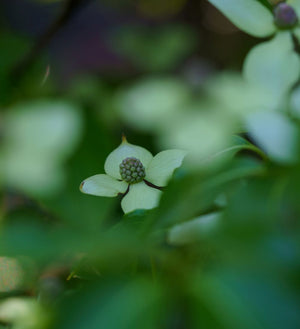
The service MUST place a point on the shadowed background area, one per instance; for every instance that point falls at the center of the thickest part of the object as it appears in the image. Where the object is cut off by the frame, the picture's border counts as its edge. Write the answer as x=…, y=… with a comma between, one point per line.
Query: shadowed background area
x=221, y=250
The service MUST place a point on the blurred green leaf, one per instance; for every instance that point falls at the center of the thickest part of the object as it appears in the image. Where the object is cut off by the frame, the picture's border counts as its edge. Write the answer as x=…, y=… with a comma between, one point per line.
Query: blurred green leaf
x=195, y=195
x=11, y=47
x=222, y=306
x=241, y=301
x=155, y=49
x=114, y=304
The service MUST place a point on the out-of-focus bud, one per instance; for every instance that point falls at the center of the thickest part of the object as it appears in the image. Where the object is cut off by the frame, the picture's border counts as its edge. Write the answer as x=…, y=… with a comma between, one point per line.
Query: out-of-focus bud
x=285, y=16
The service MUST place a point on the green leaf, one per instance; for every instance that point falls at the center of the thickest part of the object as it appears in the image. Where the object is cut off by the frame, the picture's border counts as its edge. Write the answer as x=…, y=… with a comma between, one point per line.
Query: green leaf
x=276, y=134
x=140, y=45
x=186, y=198
x=12, y=48
x=140, y=196
x=225, y=307
x=162, y=166
x=103, y=185
x=248, y=15
x=114, y=304
x=238, y=144
x=273, y=65
x=123, y=151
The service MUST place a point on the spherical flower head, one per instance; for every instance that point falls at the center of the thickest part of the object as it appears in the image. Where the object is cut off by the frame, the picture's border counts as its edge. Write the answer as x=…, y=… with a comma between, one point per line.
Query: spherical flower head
x=132, y=170
x=285, y=16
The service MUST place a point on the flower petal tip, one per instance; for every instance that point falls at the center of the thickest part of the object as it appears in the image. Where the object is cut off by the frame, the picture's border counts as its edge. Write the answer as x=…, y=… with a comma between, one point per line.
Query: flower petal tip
x=81, y=186
x=124, y=139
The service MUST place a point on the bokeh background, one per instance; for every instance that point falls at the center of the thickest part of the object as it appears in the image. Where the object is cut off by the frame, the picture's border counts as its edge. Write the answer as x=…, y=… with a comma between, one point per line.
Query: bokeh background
x=74, y=76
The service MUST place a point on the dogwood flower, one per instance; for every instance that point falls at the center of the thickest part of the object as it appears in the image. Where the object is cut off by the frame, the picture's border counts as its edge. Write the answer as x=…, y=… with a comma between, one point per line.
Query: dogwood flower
x=272, y=65
x=131, y=170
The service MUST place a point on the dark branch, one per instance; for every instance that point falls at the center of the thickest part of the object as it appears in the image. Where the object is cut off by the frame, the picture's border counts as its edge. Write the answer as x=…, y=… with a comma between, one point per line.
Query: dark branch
x=70, y=8
x=153, y=185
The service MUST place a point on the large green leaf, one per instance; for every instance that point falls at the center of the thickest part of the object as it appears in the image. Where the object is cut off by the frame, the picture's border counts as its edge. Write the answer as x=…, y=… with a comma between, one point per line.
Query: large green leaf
x=237, y=299
x=194, y=195
x=248, y=15
x=114, y=305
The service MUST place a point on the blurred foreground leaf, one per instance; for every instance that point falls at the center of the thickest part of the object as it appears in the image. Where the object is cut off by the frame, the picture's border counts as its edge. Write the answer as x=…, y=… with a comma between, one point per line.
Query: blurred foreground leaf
x=115, y=304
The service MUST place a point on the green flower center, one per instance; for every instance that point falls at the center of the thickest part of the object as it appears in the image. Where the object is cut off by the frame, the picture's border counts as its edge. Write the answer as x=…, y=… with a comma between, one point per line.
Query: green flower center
x=132, y=170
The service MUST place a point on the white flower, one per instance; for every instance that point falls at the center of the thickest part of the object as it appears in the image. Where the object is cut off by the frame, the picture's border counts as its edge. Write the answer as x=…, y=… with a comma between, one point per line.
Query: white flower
x=133, y=171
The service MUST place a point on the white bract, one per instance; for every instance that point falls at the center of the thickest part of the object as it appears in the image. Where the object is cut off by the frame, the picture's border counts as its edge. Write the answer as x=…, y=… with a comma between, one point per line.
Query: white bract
x=38, y=137
x=23, y=313
x=276, y=134
x=273, y=65
x=141, y=192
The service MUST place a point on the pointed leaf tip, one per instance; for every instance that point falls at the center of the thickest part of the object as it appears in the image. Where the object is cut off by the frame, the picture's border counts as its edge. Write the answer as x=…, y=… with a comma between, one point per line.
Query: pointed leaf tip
x=81, y=186
x=124, y=139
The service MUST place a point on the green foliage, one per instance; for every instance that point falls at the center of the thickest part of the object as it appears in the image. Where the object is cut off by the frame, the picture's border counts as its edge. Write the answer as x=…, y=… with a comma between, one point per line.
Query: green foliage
x=220, y=249
x=140, y=46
